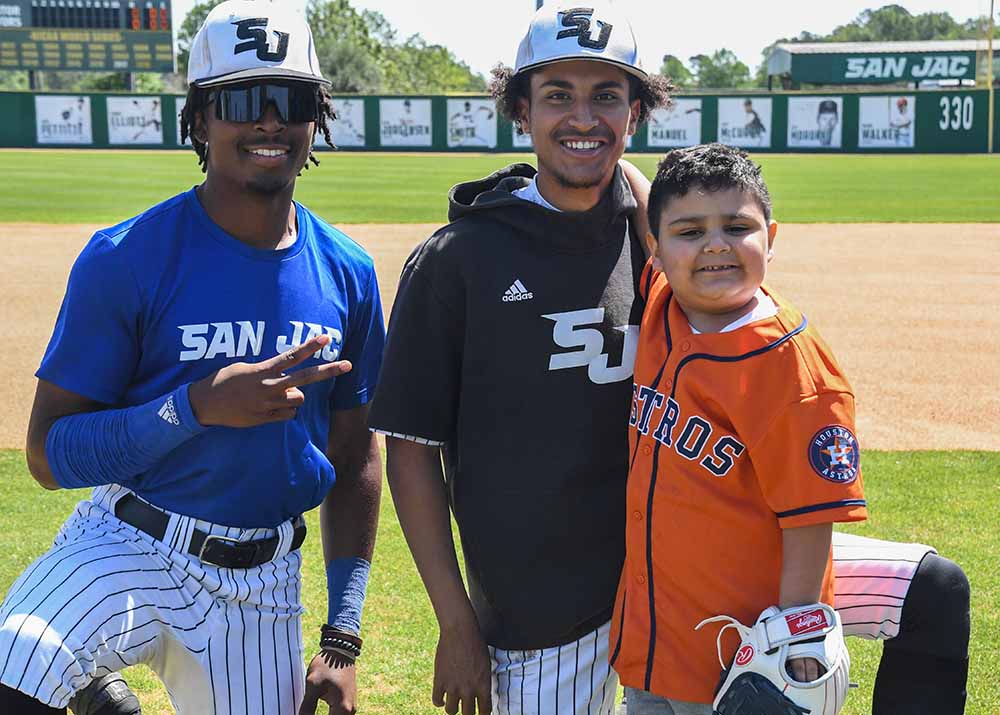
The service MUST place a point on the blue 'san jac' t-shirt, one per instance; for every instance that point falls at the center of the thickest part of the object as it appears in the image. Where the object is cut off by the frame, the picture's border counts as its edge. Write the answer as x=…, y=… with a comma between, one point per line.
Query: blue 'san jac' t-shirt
x=168, y=297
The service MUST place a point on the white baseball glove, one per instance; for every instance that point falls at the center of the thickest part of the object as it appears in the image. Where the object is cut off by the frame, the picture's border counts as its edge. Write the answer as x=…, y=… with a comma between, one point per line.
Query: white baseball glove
x=758, y=681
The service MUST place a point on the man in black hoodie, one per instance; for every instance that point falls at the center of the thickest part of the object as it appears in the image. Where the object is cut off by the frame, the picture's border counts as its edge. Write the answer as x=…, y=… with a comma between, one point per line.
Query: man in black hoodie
x=525, y=317
x=510, y=352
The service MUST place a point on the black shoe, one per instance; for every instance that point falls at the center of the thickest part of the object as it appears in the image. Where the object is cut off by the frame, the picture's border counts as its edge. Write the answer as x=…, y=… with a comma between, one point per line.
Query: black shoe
x=108, y=695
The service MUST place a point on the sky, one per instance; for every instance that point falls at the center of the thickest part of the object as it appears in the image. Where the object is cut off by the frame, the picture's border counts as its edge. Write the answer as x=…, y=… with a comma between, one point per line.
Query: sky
x=483, y=32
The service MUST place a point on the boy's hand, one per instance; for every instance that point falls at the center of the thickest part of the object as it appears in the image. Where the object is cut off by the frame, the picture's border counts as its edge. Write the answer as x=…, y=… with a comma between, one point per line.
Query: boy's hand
x=779, y=660
x=804, y=670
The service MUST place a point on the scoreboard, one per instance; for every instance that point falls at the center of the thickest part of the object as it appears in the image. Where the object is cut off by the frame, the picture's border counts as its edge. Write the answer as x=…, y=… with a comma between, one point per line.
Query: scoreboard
x=97, y=35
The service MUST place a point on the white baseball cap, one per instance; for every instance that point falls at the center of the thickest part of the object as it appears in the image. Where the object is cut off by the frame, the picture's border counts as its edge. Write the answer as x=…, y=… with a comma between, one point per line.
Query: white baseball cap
x=564, y=30
x=249, y=39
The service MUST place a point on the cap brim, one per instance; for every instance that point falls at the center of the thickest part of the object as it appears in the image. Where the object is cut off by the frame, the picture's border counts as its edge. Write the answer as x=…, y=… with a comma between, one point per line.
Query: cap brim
x=261, y=73
x=634, y=71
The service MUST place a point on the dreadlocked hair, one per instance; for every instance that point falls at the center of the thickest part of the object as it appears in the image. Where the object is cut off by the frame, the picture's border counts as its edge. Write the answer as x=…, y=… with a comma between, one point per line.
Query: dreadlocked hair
x=197, y=102
x=506, y=88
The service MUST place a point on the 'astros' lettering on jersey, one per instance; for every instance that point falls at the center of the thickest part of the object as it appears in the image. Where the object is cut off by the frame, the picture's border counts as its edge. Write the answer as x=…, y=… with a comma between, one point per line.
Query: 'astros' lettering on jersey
x=733, y=437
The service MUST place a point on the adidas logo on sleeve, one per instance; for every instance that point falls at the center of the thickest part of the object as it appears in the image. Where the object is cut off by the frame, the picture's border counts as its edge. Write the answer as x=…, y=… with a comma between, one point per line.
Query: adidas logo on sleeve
x=517, y=292
x=169, y=413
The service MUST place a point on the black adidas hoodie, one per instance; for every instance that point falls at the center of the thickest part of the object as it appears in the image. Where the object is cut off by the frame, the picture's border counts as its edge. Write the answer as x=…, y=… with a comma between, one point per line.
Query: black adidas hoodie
x=511, y=344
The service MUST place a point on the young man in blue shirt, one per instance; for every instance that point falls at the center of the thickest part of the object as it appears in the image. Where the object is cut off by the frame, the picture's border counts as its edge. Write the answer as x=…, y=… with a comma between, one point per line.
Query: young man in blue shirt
x=209, y=375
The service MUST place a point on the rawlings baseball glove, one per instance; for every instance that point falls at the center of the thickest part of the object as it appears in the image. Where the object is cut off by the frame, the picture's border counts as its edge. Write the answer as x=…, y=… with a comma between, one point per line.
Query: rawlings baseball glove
x=758, y=681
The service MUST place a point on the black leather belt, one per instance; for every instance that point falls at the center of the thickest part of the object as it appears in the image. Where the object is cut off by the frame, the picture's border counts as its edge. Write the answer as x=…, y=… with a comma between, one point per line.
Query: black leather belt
x=211, y=548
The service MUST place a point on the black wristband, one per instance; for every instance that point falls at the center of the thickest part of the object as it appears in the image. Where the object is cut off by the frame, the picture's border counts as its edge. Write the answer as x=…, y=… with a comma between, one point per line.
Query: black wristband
x=341, y=642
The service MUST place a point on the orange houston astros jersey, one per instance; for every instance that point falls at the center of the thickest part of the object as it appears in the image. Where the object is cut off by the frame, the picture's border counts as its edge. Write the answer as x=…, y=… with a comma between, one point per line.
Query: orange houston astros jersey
x=733, y=437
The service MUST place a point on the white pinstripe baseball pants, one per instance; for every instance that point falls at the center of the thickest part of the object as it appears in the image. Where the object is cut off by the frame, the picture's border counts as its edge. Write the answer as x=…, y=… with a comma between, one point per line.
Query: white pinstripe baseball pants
x=106, y=596
x=571, y=679
x=872, y=578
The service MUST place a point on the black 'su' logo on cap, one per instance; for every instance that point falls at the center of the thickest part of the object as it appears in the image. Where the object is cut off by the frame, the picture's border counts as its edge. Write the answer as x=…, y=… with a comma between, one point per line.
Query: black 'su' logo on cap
x=254, y=30
x=578, y=21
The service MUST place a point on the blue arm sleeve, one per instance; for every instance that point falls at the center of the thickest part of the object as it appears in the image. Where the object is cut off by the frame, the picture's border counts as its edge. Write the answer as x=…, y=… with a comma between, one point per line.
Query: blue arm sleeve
x=346, y=583
x=363, y=348
x=115, y=446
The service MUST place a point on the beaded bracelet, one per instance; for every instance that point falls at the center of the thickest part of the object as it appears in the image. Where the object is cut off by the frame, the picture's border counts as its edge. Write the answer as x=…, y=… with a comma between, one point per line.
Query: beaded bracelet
x=340, y=642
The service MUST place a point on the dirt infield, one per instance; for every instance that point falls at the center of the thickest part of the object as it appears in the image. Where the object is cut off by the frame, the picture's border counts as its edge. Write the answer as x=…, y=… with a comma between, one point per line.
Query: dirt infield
x=911, y=310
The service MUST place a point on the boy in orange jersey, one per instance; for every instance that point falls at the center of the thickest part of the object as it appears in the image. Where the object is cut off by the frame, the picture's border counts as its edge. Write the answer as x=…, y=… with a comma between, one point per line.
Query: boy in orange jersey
x=741, y=435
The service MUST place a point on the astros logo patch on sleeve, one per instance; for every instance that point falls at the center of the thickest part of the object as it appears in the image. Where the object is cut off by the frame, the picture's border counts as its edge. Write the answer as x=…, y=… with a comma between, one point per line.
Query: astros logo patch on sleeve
x=834, y=454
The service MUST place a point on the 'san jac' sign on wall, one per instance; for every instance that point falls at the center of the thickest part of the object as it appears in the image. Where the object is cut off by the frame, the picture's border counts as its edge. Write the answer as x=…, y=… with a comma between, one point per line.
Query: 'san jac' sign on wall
x=910, y=68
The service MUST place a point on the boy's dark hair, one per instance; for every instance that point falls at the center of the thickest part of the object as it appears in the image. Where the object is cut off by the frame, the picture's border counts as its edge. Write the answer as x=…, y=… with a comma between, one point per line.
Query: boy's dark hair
x=712, y=167
x=197, y=102
x=506, y=88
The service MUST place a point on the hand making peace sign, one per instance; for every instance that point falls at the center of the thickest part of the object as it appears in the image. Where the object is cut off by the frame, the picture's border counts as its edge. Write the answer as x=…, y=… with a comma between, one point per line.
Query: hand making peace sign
x=250, y=394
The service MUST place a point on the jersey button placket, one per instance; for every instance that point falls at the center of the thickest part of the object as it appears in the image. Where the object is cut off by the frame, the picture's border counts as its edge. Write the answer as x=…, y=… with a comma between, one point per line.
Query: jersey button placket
x=647, y=450
x=637, y=515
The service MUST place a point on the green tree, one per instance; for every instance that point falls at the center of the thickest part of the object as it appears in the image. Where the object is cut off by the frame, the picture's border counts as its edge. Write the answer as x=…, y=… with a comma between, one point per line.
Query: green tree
x=416, y=67
x=894, y=23
x=349, y=44
x=888, y=23
x=720, y=70
x=676, y=71
x=144, y=83
x=349, y=68
x=360, y=52
x=760, y=76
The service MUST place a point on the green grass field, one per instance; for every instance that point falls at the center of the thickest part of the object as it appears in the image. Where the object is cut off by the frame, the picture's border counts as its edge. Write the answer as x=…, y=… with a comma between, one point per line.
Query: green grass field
x=107, y=187
x=949, y=499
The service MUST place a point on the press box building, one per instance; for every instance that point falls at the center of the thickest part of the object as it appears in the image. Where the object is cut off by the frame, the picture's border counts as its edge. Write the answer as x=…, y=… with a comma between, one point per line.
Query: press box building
x=932, y=63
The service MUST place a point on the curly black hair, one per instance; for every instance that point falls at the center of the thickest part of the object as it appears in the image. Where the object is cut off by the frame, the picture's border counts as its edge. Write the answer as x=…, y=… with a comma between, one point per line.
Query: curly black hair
x=197, y=101
x=507, y=88
x=712, y=167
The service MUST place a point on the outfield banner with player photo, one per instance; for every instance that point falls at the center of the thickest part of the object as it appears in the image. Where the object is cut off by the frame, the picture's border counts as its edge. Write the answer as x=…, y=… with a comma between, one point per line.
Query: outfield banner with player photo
x=520, y=141
x=179, y=102
x=678, y=126
x=349, y=128
x=472, y=123
x=63, y=119
x=745, y=122
x=887, y=122
x=952, y=120
x=135, y=120
x=405, y=122
x=815, y=122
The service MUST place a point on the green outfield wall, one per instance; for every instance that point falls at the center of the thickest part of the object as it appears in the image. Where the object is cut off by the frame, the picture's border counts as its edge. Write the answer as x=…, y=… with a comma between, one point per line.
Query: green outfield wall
x=891, y=121
x=996, y=125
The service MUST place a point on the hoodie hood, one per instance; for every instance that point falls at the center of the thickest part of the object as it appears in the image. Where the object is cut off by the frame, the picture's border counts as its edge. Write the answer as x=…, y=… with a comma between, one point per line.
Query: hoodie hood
x=491, y=199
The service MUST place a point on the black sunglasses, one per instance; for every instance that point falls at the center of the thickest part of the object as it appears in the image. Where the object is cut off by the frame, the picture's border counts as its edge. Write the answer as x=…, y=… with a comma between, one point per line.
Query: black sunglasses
x=296, y=103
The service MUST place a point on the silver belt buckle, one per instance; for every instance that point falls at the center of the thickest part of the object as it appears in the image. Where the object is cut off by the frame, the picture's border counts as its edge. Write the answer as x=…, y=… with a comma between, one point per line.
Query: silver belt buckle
x=214, y=537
